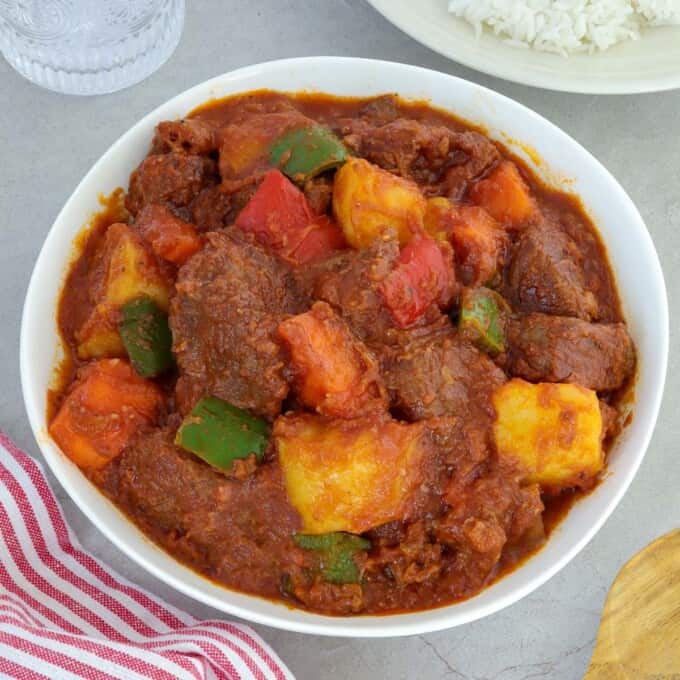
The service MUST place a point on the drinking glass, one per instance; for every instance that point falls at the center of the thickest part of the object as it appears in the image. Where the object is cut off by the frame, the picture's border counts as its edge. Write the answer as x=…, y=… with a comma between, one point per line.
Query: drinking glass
x=89, y=46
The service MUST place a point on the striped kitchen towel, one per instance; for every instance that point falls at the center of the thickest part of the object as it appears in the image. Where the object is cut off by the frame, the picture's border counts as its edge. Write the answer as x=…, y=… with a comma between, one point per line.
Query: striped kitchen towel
x=64, y=614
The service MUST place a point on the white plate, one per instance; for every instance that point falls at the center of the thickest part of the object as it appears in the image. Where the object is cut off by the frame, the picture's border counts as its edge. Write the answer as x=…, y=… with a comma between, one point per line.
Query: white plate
x=647, y=65
x=631, y=251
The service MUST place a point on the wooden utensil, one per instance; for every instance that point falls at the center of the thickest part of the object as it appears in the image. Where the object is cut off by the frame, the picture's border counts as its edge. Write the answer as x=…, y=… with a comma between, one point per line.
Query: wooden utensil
x=639, y=636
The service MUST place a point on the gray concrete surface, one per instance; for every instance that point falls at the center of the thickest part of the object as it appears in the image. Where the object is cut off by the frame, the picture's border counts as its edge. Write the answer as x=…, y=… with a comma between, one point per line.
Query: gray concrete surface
x=48, y=142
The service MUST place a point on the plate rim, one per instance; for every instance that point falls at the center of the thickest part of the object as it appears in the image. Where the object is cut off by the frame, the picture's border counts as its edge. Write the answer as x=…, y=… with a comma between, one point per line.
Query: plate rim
x=548, y=81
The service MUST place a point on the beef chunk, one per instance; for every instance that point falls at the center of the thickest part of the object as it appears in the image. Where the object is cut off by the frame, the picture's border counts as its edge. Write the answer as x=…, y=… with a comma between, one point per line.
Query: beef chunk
x=319, y=193
x=230, y=300
x=380, y=110
x=190, y=136
x=239, y=532
x=442, y=160
x=545, y=274
x=545, y=348
x=438, y=373
x=486, y=512
x=349, y=282
x=214, y=208
x=172, y=178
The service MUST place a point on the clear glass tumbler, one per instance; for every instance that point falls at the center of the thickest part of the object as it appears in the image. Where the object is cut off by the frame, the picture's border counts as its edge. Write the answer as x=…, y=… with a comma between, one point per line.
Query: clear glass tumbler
x=89, y=46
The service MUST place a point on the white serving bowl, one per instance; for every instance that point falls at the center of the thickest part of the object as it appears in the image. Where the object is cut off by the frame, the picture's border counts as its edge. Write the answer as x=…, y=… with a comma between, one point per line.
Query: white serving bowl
x=561, y=160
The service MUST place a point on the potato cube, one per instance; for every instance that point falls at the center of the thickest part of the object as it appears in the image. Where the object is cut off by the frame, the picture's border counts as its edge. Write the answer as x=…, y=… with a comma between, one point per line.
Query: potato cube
x=440, y=217
x=553, y=432
x=368, y=199
x=122, y=270
x=351, y=475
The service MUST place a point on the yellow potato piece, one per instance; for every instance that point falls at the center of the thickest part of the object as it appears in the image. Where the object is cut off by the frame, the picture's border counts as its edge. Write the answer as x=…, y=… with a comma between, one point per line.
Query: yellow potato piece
x=368, y=199
x=133, y=272
x=439, y=218
x=351, y=475
x=552, y=431
x=124, y=270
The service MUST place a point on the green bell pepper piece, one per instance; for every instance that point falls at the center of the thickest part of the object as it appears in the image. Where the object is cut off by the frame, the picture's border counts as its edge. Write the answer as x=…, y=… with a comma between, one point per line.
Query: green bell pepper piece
x=307, y=152
x=146, y=336
x=482, y=314
x=336, y=554
x=219, y=433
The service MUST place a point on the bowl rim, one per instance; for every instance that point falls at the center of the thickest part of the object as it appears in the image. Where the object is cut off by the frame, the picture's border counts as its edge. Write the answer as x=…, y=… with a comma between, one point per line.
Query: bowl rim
x=410, y=623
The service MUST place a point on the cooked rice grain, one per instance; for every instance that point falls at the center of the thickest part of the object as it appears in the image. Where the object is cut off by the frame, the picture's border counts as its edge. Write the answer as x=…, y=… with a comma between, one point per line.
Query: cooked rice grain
x=565, y=26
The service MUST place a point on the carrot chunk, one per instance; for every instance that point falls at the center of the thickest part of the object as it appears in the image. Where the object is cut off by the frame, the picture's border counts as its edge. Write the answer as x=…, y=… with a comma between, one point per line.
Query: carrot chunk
x=479, y=242
x=505, y=196
x=108, y=404
x=169, y=237
x=335, y=372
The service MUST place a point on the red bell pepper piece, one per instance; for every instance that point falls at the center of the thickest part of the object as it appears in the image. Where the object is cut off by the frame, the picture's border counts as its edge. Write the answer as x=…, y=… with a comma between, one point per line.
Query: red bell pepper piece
x=322, y=237
x=280, y=217
x=423, y=276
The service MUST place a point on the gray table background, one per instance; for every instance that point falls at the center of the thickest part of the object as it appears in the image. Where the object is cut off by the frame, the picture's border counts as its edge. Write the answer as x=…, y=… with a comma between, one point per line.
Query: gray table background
x=48, y=142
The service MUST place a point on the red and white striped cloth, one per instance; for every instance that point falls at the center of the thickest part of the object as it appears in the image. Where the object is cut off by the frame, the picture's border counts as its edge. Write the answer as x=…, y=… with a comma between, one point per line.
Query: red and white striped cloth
x=65, y=615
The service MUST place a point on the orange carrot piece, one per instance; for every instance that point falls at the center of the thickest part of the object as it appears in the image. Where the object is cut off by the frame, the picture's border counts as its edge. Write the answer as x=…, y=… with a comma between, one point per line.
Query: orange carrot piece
x=170, y=237
x=107, y=406
x=505, y=196
x=335, y=373
x=479, y=243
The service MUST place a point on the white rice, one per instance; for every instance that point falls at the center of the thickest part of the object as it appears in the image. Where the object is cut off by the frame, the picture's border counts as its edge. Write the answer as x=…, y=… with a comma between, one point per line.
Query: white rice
x=565, y=26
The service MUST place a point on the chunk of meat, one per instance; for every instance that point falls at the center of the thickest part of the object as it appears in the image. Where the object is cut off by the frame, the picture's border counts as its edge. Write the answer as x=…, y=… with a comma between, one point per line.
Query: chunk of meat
x=350, y=282
x=422, y=277
x=244, y=146
x=436, y=157
x=335, y=373
x=237, y=532
x=189, y=135
x=486, y=511
x=381, y=110
x=173, y=178
x=545, y=274
x=476, y=153
x=437, y=374
x=231, y=298
x=319, y=193
x=407, y=552
x=214, y=208
x=170, y=237
x=545, y=348
x=107, y=406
